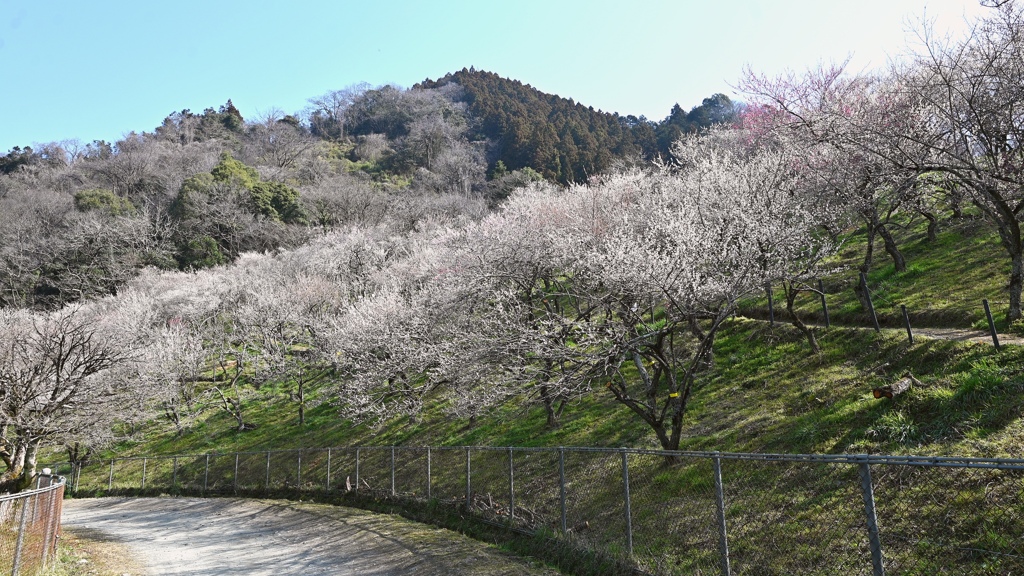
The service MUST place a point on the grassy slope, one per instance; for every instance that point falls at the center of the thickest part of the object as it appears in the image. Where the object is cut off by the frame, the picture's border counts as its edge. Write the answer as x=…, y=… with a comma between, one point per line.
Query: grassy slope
x=944, y=284
x=766, y=393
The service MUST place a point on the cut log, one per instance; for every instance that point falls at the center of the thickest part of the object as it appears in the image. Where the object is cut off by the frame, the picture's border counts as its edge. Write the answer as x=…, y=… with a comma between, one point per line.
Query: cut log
x=896, y=388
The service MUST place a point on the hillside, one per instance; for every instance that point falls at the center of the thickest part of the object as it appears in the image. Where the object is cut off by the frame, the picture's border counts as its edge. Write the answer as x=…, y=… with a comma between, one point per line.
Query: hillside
x=766, y=393
x=375, y=289
x=376, y=261
x=475, y=262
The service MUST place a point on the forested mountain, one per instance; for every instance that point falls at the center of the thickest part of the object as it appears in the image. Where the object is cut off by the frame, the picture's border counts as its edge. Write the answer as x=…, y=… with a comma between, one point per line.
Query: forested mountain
x=563, y=139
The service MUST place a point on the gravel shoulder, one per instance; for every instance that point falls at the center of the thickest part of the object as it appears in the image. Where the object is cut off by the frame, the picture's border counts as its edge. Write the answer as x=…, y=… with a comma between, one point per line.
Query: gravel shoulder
x=178, y=536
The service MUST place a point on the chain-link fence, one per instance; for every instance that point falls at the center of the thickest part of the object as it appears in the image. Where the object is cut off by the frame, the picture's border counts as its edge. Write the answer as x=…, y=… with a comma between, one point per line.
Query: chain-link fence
x=665, y=512
x=29, y=526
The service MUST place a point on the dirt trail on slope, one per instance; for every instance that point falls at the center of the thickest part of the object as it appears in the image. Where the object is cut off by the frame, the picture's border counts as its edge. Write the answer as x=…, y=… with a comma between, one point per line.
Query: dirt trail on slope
x=958, y=334
x=965, y=335
x=195, y=536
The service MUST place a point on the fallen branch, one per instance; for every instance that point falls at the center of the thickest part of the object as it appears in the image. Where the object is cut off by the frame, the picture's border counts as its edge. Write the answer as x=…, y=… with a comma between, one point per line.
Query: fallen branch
x=897, y=388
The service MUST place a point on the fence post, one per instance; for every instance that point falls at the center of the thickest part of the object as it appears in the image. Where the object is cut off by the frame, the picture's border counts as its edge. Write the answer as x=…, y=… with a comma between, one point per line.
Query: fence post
x=625, y=494
x=206, y=474
x=824, y=305
x=469, y=483
x=328, y=486
x=298, y=470
x=110, y=477
x=53, y=531
x=906, y=322
x=144, y=473
x=21, y=537
x=392, y=469
x=867, y=296
x=872, y=521
x=357, y=469
x=561, y=485
x=50, y=505
x=429, y=494
x=511, y=490
x=723, y=537
x=267, y=488
x=174, y=475
x=991, y=324
x=234, y=479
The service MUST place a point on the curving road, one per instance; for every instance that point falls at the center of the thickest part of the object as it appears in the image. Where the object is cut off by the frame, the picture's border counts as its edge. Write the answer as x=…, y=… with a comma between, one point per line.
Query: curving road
x=179, y=536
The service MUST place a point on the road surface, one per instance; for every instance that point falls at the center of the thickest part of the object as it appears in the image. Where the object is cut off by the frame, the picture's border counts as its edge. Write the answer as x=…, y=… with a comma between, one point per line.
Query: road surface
x=195, y=536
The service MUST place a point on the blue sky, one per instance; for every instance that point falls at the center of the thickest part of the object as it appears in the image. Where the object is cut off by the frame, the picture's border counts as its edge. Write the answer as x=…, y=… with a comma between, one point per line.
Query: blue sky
x=98, y=69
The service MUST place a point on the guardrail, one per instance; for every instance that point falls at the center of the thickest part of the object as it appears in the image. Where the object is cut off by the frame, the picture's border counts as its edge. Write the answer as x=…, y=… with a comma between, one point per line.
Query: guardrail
x=30, y=526
x=665, y=512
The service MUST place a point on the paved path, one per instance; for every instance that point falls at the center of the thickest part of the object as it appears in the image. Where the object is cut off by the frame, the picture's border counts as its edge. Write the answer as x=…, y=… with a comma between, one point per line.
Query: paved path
x=194, y=536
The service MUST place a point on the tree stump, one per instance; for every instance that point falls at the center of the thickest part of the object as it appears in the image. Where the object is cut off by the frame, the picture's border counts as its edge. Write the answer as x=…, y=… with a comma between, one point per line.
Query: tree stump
x=896, y=388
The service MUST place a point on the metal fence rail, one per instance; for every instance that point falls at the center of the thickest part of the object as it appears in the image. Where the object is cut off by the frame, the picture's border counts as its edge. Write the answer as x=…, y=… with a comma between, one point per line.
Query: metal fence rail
x=666, y=512
x=29, y=526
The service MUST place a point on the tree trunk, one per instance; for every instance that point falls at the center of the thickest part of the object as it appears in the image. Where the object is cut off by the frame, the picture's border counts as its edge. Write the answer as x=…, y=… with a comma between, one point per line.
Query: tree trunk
x=21, y=467
x=31, y=455
x=77, y=454
x=933, y=225
x=1016, y=284
x=1005, y=218
x=549, y=407
x=791, y=292
x=955, y=198
x=890, y=246
x=233, y=406
x=11, y=479
x=865, y=267
x=172, y=414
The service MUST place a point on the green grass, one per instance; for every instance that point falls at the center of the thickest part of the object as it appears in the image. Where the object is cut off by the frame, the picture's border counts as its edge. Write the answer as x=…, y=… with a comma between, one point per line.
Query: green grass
x=943, y=286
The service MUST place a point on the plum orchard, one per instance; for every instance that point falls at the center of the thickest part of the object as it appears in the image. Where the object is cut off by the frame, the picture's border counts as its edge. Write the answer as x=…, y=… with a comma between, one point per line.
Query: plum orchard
x=561, y=288
x=941, y=128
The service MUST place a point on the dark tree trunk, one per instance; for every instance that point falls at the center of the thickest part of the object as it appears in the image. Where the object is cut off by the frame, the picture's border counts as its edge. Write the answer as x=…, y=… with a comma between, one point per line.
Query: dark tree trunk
x=552, y=407
x=933, y=225
x=21, y=467
x=78, y=454
x=894, y=251
x=869, y=254
x=1016, y=284
x=172, y=414
x=791, y=292
x=1005, y=218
